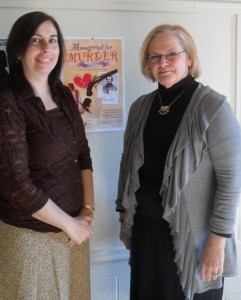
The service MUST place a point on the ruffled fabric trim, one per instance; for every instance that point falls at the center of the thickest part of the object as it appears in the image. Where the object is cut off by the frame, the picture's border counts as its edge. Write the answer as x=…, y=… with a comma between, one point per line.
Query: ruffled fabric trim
x=183, y=159
x=133, y=161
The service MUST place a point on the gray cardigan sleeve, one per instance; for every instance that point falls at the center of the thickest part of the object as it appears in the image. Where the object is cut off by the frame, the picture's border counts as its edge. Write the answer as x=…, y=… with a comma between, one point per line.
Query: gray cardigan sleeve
x=224, y=145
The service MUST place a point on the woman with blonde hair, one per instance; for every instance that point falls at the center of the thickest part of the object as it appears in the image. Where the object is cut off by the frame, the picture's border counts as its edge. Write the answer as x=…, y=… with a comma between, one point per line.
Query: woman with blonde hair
x=180, y=177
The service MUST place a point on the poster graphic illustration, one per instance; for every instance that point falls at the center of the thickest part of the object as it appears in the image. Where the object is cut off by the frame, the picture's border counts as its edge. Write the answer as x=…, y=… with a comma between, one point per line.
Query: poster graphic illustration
x=3, y=59
x=93, y=72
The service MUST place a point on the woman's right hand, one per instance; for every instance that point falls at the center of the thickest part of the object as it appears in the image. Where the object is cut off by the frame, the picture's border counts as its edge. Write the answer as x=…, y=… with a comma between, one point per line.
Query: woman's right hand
x=79, y=230
x=123, y=238
x=121, y=220
x=122, y=235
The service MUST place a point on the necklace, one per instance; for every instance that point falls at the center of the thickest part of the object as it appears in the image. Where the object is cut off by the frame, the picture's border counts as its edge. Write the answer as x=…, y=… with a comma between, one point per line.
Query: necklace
x=164, y=109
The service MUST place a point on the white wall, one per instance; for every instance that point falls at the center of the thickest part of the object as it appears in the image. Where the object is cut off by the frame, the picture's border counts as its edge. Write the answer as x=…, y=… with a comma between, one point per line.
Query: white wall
x=216, y=29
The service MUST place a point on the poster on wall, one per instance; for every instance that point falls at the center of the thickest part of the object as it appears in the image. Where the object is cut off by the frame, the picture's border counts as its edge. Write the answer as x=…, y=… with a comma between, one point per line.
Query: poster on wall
x=93, y=72
x=3, y=59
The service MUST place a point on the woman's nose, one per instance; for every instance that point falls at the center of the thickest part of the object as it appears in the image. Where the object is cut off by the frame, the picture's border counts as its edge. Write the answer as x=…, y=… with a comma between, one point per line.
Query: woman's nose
x=163, y=60
x=45, y=46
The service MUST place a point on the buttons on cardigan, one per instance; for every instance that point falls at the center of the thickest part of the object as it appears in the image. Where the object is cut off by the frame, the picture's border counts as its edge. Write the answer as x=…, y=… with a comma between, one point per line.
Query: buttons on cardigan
x=74, y=142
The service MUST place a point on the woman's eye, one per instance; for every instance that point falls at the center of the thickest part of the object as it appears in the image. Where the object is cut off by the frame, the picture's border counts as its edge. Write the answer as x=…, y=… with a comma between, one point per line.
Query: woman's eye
x=53, y=41
x=155, y=58
x=172, y=55
x=35, y=41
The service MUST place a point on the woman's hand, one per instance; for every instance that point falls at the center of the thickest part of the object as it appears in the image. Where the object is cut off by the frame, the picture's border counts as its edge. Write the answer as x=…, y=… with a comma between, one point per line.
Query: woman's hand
x=88, y=214
x=121, y=220
x=213, y=258
x=80, y=230
x=122, y=234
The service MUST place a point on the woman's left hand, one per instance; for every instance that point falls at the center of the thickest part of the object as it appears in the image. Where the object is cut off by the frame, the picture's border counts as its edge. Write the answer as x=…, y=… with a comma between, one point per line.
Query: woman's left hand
x=213, y=258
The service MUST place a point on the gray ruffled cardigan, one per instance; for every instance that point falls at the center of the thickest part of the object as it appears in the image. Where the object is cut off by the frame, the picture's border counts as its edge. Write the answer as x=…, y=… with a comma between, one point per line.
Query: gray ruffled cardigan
x=201, y=181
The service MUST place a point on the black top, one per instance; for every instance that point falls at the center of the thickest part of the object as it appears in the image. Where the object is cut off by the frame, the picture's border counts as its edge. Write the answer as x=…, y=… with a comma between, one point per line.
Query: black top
x=158, y=136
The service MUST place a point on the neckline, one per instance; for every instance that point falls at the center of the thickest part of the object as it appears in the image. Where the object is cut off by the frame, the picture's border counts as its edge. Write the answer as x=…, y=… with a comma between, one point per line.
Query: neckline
x=53, y=109
x=167, y=95
x=183, y=83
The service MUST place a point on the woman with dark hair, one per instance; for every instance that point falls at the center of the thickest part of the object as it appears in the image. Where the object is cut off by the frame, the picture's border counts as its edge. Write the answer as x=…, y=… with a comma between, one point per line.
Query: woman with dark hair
x=46, y=185
x=18, y=42
x=180, y=177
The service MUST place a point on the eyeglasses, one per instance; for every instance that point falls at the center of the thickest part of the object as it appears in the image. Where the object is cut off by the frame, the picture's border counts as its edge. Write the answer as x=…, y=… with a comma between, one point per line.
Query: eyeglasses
x=171, y=56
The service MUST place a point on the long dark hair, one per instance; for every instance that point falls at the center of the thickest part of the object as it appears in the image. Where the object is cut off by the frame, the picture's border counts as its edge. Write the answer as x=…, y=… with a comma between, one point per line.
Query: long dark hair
x=21, y=32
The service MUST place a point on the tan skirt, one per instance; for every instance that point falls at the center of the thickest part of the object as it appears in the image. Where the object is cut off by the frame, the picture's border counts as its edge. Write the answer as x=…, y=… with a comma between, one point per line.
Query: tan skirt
x=41, y=266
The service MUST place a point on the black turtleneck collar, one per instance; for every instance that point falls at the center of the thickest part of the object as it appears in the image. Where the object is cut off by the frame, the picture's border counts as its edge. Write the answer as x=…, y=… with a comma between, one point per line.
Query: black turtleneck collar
x=168, y=94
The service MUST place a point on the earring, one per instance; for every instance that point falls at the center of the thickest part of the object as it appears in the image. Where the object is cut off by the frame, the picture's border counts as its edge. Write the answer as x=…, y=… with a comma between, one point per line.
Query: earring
x=18, y=60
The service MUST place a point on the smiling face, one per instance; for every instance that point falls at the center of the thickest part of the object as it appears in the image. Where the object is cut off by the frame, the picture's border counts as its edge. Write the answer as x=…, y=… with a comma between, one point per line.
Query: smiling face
x=168, y=71
x=42, y=53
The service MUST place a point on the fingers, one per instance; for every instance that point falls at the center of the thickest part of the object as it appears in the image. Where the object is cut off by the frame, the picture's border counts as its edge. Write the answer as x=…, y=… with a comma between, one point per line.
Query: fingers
x=215, y=276
x=211, y=274
x=211, y=268
x=89, y=219
x=80, y=232
x=213, y=258
x=88, y=214
x=72, y=243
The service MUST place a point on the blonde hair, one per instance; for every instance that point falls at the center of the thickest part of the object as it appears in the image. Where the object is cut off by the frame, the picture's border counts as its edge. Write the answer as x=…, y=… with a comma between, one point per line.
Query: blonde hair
x=185, y=40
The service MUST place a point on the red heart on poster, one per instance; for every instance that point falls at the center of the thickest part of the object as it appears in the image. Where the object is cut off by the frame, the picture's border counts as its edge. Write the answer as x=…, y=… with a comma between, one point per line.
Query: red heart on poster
x=82, y=82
